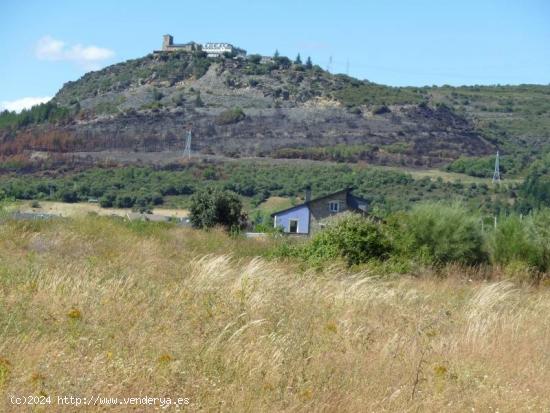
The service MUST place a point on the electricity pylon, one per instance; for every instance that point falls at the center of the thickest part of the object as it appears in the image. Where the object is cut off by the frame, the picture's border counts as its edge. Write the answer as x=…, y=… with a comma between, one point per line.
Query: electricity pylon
x=187, y=150
x=496, y=174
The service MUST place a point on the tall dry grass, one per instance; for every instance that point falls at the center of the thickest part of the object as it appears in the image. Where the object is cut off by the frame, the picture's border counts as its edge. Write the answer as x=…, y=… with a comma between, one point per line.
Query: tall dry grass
x=95, y=306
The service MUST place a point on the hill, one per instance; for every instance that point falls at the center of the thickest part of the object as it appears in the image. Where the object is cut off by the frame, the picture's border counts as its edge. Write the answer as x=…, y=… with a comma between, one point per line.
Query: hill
x=277, y=108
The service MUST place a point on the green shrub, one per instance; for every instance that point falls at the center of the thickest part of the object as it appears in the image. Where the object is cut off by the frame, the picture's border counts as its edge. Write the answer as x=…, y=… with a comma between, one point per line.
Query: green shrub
x=178, y=99
x=68, y=195
x=526, y=241
x=510, y=242
x=157, y=94
x=536, y=187
x=350, y=236
x=230, y=116
x=437, y=234
x=107, y=200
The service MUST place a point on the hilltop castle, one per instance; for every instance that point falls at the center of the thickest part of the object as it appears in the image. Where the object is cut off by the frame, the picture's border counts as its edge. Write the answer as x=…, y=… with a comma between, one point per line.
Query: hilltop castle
x=211, y=49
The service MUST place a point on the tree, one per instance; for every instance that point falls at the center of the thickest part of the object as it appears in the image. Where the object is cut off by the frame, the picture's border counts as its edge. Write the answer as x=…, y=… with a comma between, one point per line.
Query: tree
x=213, y=206
x=298, y=60
x=535, y=189
x=309, y=64
x=276, y=54
x=68, y=195
x=255, y=58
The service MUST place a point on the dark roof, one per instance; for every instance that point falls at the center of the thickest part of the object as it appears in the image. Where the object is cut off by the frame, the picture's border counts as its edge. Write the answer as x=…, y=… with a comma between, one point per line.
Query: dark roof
x=353, y=201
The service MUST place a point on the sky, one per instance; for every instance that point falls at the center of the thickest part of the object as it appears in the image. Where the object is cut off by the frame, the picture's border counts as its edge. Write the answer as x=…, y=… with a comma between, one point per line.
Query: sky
x=44, y=44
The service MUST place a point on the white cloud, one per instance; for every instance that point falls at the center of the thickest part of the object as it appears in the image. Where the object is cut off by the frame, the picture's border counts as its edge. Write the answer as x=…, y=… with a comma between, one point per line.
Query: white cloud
x=48, y=48
x=24, y=103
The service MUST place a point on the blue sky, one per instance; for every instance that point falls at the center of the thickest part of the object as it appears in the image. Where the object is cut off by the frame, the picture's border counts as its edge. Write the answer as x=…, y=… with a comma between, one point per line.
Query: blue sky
x=46, y=43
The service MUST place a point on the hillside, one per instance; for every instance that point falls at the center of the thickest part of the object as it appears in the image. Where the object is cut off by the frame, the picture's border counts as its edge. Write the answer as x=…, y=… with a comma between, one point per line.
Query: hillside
x=243, y=107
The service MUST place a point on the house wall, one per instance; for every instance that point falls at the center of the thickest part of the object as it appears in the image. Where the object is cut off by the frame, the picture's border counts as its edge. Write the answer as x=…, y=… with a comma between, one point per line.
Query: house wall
x=217, y=49
x=320, y=209
x=300, y=213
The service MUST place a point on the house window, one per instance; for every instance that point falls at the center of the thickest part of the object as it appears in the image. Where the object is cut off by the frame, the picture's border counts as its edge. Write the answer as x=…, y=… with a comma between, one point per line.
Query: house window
x=293, y=226
x=334, y=206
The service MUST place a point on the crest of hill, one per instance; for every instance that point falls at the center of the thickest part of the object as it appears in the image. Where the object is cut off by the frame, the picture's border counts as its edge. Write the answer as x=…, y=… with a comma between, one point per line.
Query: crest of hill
x=284, y=83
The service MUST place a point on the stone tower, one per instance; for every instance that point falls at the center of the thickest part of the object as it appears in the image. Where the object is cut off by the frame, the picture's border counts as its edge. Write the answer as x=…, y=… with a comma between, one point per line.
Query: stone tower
x=167, y=41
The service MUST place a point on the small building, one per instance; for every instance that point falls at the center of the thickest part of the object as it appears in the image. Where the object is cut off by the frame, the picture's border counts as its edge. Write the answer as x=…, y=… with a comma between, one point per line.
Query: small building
x=220, y=49
x=211, y=49
x=168, y=45
x=309, y=217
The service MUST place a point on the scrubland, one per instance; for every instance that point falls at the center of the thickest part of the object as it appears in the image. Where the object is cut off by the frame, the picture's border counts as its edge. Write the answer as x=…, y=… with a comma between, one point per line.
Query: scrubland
x=97, y=306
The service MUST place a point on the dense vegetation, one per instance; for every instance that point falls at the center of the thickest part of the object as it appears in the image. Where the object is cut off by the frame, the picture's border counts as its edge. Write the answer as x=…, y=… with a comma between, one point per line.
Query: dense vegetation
x=44, y=112
x=137, y=186
x=483, y=167
x=535, y=190
x=434, y=235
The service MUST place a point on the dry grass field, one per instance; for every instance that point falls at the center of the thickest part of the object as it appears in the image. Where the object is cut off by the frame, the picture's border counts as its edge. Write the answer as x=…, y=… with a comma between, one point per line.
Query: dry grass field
x=84, y=208
x=95, y=306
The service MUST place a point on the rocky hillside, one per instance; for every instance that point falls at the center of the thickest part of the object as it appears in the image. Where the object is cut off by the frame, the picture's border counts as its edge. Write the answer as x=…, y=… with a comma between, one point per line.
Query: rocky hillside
x=245, y=107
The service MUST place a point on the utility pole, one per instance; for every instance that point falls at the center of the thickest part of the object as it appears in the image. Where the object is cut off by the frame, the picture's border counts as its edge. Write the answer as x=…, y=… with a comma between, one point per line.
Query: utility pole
x=496, y=174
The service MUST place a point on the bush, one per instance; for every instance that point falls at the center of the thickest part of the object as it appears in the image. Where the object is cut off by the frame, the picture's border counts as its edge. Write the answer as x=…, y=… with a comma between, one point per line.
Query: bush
x=230, y=116
x=255, y=58
x=124, y=201
x=107, y=200
x=381, y=110
x=157, y=94
x=69, y=196
x=438, y=234
x=212, y=207
x=536, y=187
x=178, y=99
x=350, y=236
x=510, y=242
x=524, y=241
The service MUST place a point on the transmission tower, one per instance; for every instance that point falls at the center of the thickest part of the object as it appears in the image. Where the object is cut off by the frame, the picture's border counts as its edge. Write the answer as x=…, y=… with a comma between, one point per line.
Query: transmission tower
x=187, y=150
x=329, y=65
x=496, y=174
